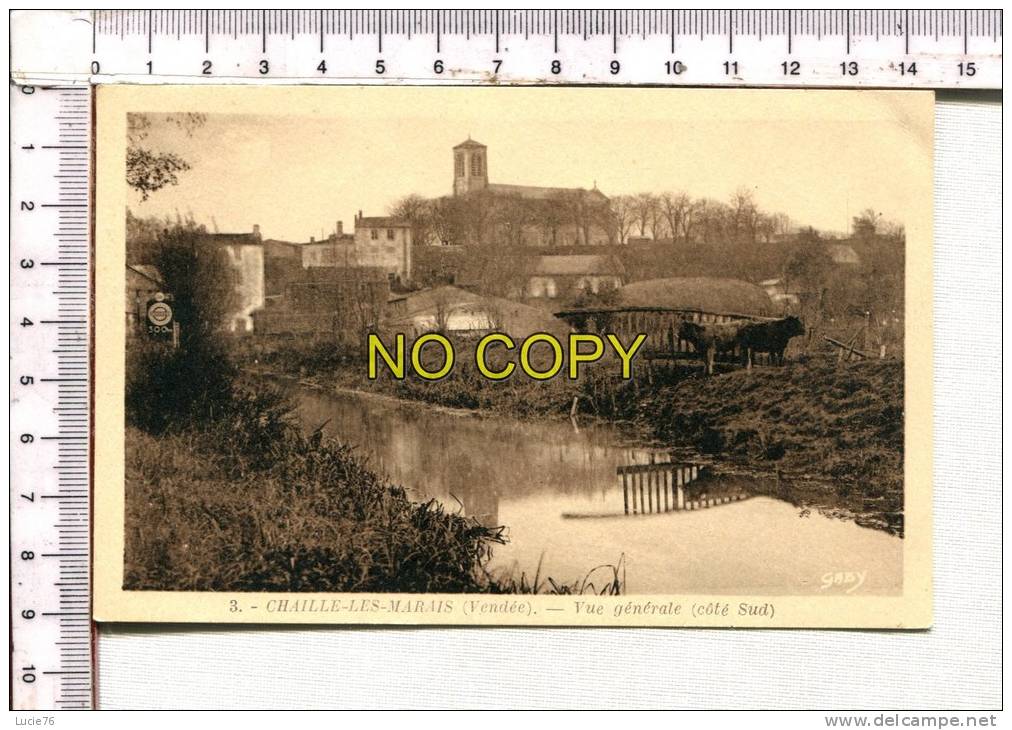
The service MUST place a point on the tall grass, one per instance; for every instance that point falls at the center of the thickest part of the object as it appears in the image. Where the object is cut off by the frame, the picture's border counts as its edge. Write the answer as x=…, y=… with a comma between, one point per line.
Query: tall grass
x=246, y=501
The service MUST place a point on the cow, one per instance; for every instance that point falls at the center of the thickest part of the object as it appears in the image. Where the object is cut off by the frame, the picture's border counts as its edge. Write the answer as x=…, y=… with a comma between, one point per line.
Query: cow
x=770, y=337
x=710, y=339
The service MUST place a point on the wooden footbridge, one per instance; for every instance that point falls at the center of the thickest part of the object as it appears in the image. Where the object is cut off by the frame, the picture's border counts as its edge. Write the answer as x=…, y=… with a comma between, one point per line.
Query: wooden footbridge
x=659, y=324
x=657, y=488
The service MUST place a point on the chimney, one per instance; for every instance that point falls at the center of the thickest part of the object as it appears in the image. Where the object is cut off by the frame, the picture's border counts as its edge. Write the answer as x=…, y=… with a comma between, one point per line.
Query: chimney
x=340, y=228
x=312, y=239
x=256, y=231
x=359, y=216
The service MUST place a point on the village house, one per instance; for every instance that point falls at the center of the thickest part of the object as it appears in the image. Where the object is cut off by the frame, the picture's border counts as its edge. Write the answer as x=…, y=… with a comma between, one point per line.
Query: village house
x=843, y=254
x=338, y=301
x=335, y=250
x=385, y=243
x=559, y=277
x=243, y=254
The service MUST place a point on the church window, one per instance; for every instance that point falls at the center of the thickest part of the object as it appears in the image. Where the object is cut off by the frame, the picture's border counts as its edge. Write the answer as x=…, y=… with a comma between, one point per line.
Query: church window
x=476, y=165
x=458, y=165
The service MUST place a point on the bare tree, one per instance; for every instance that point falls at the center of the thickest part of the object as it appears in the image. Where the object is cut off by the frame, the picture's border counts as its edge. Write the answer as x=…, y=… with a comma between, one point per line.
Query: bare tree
x=417, y=211
x=623, y=217
x=746, y=214
x=645, y=212
x=676, y=209
x=866, y=223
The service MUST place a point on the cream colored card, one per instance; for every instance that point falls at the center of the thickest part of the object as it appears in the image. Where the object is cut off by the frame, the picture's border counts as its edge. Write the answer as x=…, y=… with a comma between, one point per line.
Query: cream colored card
x=761, y=458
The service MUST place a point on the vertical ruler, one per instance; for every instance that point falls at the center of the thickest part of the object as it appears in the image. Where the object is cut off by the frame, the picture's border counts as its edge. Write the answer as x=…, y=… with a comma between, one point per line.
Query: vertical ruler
x=50, y=558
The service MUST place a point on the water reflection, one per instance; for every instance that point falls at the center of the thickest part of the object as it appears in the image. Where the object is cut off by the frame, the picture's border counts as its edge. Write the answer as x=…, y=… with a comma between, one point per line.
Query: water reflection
x=576, y=500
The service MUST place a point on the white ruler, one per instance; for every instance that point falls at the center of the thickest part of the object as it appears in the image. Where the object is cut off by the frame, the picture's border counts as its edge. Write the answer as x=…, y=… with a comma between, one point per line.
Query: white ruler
x=50, y=558
x=824, y=48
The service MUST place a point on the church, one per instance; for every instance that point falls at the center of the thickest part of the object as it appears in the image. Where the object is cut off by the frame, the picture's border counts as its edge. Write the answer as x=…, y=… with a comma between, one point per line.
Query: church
x=523, y=215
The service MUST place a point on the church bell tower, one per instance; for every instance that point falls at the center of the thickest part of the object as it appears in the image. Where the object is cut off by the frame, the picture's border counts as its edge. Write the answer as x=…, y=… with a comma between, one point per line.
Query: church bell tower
x=470, y=167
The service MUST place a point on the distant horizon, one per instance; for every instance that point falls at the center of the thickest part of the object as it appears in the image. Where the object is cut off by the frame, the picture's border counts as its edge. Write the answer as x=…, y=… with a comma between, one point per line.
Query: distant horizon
x=296, y=176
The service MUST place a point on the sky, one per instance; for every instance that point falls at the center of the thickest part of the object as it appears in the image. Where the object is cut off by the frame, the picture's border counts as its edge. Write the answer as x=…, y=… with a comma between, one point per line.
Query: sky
x=295, y=160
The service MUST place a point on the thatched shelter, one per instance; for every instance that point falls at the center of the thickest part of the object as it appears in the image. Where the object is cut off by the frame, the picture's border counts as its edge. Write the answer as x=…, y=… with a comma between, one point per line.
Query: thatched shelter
x=704, y=294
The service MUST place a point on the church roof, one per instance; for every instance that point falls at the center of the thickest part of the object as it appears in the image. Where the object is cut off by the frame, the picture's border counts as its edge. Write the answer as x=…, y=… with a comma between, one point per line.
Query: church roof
x=470, y=144
x=535, y=192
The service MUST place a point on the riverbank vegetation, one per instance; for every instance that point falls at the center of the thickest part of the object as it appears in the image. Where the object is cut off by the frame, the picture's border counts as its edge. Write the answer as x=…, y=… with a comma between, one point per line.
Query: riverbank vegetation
x=247, y=501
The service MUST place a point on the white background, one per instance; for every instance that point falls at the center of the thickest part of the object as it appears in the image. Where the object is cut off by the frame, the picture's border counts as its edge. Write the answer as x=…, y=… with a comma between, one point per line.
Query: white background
x=956, y=665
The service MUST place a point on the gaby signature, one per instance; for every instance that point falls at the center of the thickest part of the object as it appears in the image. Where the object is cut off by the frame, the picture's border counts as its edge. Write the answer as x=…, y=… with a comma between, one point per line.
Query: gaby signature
x=851, y=580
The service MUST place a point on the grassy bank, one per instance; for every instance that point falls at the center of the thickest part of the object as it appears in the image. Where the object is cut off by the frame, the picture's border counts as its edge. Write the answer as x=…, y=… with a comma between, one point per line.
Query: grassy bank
x=819, y=433
x=246, y=502
x=832, y=433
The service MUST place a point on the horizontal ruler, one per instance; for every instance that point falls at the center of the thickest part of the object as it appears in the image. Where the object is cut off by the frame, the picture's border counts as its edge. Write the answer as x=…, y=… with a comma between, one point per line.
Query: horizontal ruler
x=818, y=48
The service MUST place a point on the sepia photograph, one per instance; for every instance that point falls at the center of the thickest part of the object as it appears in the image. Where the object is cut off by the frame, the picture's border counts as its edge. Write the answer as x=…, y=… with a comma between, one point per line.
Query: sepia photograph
x=448, y=342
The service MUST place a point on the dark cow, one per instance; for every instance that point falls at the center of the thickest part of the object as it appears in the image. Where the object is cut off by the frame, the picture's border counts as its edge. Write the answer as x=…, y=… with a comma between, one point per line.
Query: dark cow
x=710, y=339
x=770, y=337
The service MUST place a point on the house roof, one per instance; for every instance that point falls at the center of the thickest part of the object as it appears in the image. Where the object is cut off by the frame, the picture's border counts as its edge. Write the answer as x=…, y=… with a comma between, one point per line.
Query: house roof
x=381, y=222
x=722, y=296
x=234, y=239
x=578, y=265
x=470, y=144
x=536, y=192
x=344, y=239
x=514, y=318
x=147, y=271
x=842, y=253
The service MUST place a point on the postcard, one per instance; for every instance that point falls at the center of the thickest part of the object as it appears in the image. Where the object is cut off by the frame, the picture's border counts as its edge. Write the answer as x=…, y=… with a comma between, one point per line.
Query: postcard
x=554, y=356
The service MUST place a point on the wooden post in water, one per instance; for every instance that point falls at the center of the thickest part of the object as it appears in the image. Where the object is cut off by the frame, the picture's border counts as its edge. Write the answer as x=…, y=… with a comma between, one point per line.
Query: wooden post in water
x=625, y=492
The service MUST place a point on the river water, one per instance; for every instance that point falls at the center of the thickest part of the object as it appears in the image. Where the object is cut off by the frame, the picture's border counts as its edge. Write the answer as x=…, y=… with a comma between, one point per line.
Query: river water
x=556, y=489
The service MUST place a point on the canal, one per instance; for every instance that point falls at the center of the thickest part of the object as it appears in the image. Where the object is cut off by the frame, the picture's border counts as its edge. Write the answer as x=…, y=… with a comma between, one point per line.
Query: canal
x=557, y=490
